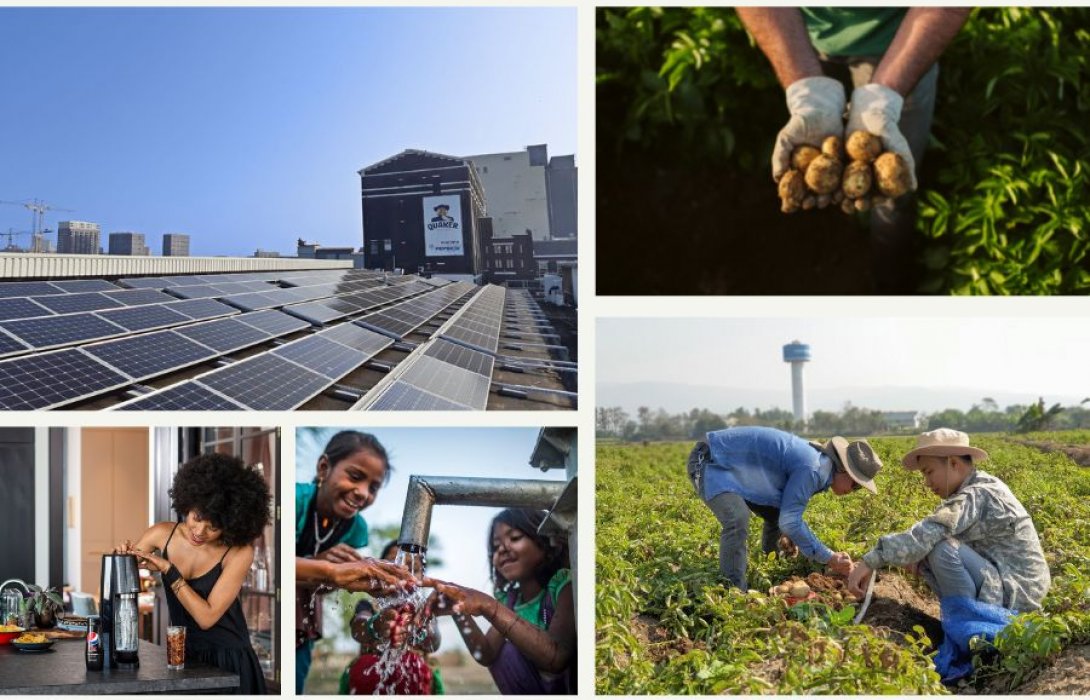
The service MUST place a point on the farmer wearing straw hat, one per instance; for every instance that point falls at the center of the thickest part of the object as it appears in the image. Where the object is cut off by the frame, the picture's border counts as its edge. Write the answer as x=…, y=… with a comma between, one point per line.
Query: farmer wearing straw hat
x=774, y=474
x=979, y=543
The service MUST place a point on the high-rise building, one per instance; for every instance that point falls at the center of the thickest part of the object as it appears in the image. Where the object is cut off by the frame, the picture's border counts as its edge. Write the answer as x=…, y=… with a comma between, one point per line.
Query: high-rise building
x=561, y=182
x=176, y=245
x=526, y=190
x=78, y=237
x=128, y=243
x=421, y=213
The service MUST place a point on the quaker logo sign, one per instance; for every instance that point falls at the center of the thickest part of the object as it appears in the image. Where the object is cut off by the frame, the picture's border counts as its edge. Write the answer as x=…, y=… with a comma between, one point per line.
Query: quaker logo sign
x=443, y=226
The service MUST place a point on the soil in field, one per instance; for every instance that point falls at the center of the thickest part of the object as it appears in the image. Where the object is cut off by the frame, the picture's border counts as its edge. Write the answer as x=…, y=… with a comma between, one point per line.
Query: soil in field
x=1079, y=454
x=1069, y=674
x=897, y=606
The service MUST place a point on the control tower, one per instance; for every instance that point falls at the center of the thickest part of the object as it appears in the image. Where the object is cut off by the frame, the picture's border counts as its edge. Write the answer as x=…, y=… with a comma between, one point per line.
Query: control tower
x=797, y=354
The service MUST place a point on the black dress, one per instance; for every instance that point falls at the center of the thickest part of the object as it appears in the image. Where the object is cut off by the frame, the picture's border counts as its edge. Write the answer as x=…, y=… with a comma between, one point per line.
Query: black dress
x=226, y=644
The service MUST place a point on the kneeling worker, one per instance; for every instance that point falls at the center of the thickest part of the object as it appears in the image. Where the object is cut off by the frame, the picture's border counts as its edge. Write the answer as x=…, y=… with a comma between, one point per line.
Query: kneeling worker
x=774, y=474
x=979, y=543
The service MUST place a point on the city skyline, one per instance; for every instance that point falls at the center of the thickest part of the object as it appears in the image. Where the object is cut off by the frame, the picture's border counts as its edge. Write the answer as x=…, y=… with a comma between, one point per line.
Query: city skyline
x=192, y=120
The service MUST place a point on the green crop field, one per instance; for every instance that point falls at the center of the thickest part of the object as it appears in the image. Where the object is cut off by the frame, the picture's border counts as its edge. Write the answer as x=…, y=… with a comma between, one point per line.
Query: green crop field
x=666, y=625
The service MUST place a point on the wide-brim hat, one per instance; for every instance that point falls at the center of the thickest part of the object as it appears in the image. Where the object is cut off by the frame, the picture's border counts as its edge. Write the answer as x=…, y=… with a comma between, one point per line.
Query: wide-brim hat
x=857, y=458
x=943, y=442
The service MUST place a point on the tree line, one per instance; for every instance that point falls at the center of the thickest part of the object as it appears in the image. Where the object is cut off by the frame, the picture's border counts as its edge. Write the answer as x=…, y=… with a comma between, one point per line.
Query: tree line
x=984, y=417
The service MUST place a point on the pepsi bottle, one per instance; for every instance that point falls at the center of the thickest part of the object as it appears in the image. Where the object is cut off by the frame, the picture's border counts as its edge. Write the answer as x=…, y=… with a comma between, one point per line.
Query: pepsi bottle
x=92, y=651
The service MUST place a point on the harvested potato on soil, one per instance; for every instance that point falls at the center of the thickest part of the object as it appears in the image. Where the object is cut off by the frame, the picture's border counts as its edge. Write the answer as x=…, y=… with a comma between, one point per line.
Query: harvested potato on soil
x=800, y=589
x=823, y=175
x=833, y=147
x=862, y=204
x=792, y=191
x=857, y=179
x=891, y=175
x=864, y=146
x=803, y=156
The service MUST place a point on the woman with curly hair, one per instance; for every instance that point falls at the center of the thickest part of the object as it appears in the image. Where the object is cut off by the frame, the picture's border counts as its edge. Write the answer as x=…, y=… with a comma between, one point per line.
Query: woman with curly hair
x=530, y=648
x=222, y=507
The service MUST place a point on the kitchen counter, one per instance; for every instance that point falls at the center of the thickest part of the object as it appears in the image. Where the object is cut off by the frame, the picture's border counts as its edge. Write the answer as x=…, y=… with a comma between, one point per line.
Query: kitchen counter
x=62, y=670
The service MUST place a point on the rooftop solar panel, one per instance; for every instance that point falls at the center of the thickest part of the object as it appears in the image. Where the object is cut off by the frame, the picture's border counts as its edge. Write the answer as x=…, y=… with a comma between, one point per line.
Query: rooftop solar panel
x=252, y=301
x=27, y=289
x=137, y=297
x=274, y=322
x=224, y=335
x=74, y=303
x=187, y=396
x=202, y=308
x=461, y=357
x=21, y=307
x=359, y=338
x=142, y=318
x=73, y=286
x=9, y=345
x=327, y=358
x=52, y=379
x=51, y=331
x=315, y=312
x=151, y=354
x=403, y=397
x=143, y=282
x=447, y=381
x=196, y=291
x=266, y=383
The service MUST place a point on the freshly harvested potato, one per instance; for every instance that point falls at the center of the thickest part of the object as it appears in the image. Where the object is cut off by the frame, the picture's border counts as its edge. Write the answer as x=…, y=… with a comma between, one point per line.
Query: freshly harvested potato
x=800, y=589
x=803, y=156
x=857, y=179
x=864, y=146
x=823, y=201
x=809, y=203
x=792, y=191
x=823, y=175
x=847, y=205
x=891, y=174
x=862, y=204
x=833, y=147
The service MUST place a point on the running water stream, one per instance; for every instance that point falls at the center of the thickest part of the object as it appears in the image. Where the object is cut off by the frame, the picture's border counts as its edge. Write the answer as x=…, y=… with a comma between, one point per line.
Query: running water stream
x=391, y=657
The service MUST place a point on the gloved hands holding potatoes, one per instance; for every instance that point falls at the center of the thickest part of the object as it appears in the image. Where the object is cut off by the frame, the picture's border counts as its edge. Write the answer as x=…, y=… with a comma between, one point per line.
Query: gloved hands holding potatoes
x=813, y=165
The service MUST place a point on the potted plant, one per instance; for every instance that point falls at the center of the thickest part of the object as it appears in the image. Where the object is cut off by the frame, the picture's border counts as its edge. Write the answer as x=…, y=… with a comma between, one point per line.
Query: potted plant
x=45, y=604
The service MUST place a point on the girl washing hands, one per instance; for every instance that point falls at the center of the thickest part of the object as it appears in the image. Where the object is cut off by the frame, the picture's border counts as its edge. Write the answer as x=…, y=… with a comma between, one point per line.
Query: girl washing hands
x=531, y=645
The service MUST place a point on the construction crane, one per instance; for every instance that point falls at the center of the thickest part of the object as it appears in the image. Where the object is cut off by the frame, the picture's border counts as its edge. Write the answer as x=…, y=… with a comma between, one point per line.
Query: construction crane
x=10, y=235
x=37, y=208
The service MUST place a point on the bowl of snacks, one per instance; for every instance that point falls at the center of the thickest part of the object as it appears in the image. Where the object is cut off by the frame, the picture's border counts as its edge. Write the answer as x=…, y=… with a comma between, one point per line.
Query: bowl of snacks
x=31, y=641
x=9, y=632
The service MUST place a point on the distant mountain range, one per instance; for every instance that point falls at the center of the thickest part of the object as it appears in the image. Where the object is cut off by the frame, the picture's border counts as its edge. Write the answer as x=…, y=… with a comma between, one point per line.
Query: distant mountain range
x=675, y=398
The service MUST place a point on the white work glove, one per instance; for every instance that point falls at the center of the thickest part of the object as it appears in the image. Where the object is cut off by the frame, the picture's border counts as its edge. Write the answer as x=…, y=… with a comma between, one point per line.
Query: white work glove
x=877, y=109
x=817, y=112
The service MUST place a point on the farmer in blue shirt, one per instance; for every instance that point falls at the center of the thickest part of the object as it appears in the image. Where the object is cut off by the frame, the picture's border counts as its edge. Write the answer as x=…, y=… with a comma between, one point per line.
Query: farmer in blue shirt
x=774, y=474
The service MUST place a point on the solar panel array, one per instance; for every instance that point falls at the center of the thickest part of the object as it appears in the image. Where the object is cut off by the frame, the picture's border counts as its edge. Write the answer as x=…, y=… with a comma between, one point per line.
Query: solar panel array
x=71, y=340
x=444, y=376
x=280, y=380
x=478, y=324
x=402, y=319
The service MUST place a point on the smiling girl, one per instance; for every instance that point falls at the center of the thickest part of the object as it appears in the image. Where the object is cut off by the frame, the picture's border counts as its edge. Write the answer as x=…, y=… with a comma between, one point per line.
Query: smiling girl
x=531, y=646
x=222, y=507
x=329, y=528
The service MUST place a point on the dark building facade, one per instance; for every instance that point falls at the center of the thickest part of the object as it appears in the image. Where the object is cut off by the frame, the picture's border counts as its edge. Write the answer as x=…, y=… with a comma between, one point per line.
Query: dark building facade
x=421, y=213
x=128, y=243
x=508, y=259
x=562, y=185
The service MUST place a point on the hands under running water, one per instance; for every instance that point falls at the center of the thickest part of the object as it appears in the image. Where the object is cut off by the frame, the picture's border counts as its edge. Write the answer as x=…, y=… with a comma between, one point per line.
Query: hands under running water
x=452, y=599
x=360, y=575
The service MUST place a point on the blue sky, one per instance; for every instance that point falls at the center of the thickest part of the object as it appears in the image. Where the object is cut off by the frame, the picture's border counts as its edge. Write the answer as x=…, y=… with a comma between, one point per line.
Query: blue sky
x=245, y=127
x=461, y=530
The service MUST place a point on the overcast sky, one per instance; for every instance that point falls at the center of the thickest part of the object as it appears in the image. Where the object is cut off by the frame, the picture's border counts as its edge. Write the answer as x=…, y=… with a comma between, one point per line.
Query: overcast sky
x=1044, y=356
x=245, y=127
